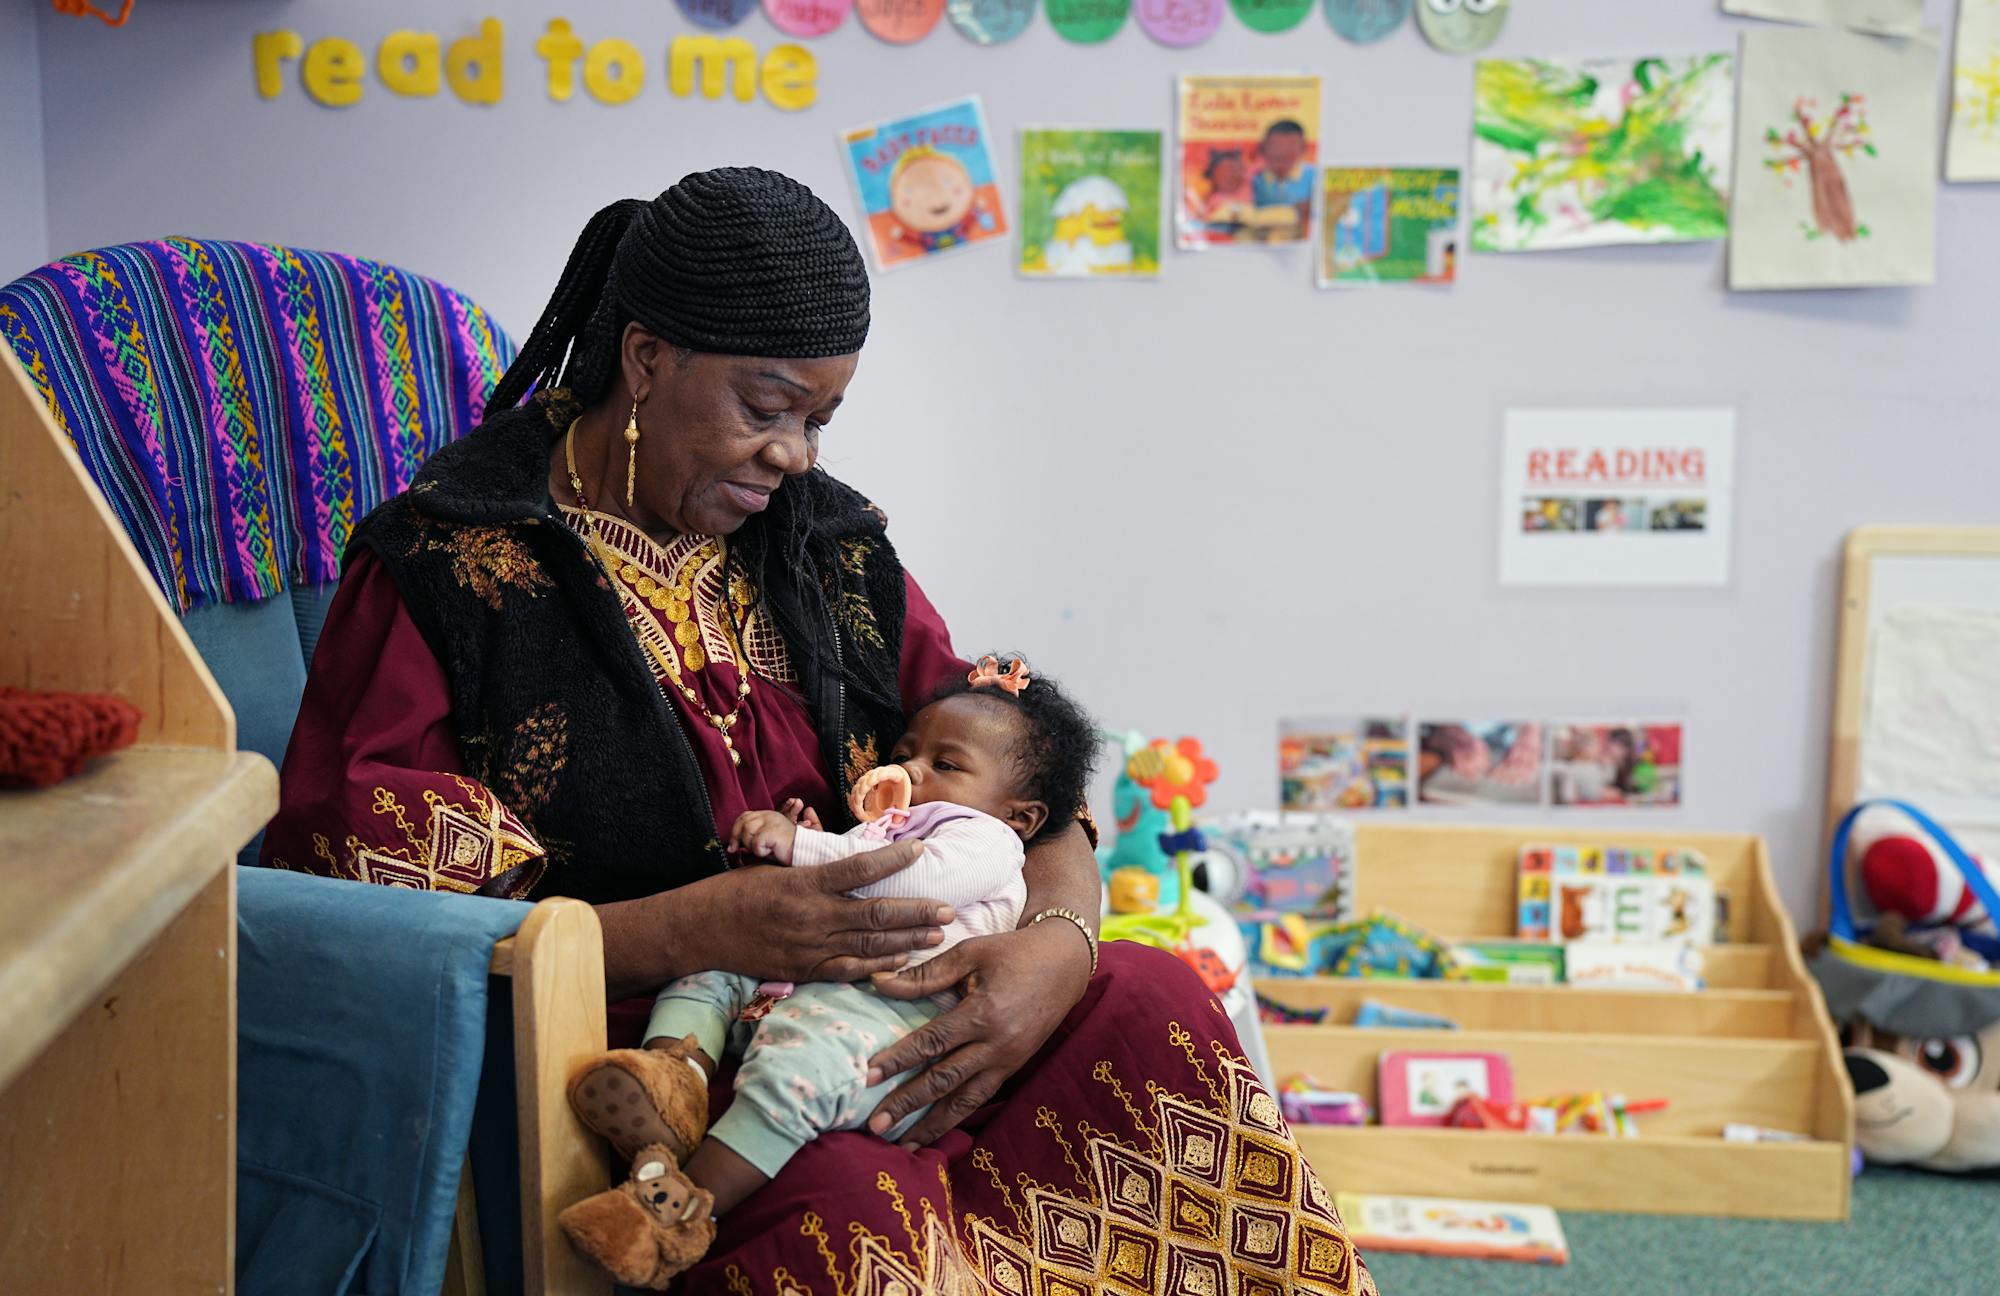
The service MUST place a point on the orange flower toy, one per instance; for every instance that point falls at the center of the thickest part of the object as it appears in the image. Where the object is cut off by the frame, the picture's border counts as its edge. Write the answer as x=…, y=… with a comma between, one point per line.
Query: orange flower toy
x=1158, y=777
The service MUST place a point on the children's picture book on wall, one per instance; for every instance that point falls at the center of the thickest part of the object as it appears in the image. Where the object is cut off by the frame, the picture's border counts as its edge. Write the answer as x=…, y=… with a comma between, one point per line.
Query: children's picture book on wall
x=1578, y=153
x=1836, y=160
x=1884, y=17
x=1090, y=203
x=1479, y=762
x=1617, y=497
x=1972, y=149
x=1620, y=764
x=1249, y=146
x=927, y=183
x=1388, y=225
x=1345, y=764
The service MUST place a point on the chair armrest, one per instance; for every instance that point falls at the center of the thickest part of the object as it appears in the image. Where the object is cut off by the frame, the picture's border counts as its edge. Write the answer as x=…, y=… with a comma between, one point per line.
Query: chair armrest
x=556, y=961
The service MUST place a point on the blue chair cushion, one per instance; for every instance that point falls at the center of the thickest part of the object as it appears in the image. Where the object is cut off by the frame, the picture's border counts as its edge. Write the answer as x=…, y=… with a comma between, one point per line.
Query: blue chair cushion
x=361, y=1032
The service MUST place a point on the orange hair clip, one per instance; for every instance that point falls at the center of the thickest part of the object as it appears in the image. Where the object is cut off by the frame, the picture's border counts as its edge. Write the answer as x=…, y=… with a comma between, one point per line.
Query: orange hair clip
x=1013, y=679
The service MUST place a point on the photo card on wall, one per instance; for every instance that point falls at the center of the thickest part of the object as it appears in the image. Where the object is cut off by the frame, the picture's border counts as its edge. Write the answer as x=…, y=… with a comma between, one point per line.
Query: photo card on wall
x=1344, y=764
x=1249, y=149
x=927, y=183
x=1621, y=763
x=1480, y=762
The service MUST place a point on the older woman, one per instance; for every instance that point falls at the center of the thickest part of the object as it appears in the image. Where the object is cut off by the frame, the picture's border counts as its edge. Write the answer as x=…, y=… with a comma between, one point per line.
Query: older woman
x=616, y=616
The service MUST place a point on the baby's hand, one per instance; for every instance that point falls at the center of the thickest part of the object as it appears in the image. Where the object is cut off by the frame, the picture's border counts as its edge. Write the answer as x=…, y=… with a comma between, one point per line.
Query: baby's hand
x=765, y=835
x=802, y=814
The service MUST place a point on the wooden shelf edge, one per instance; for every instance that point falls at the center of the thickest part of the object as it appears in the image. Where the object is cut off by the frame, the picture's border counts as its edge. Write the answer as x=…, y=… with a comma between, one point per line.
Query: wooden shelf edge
x=120, y=908
x=1650, y=1175
x=1481, y=1038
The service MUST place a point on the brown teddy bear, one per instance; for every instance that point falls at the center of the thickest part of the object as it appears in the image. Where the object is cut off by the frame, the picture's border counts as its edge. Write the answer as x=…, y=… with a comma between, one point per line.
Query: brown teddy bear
x=648, y=1229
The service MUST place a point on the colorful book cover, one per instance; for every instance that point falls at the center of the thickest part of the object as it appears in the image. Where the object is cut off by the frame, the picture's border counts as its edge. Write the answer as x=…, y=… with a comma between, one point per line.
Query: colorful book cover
x=1573, y=893
x=1388, y=225
x=1474, y=1230
x=1249, y=146
x=1090, y=203
x=1419, y=1087
x=927, y=182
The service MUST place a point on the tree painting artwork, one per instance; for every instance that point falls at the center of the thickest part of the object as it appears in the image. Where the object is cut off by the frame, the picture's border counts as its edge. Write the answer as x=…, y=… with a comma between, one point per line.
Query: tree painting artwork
x=1580, y=153
x=1836, y=160
x=1972, y=151
x=1816, y=149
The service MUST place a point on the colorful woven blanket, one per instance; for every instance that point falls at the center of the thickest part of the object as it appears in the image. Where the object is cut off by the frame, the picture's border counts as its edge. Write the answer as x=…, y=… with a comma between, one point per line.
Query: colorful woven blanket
x=243, y=406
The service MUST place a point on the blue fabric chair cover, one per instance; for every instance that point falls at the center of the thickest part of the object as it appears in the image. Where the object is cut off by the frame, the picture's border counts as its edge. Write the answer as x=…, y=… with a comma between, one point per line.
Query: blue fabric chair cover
x=362, y=1032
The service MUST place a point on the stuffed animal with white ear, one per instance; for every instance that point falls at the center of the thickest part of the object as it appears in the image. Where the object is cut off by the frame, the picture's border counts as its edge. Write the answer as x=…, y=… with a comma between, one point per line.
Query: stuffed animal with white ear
x=1903, y=872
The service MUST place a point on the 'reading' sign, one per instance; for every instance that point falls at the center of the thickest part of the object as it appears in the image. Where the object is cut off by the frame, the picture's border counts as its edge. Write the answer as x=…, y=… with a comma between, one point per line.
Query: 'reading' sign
x=476, y=68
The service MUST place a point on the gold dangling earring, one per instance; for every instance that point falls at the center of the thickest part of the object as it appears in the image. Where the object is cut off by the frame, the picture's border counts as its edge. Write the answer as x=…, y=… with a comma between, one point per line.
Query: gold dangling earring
x=631, y=453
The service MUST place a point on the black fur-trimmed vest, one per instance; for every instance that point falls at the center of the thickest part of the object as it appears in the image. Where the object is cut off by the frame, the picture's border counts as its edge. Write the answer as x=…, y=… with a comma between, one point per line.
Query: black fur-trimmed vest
x=554, y=705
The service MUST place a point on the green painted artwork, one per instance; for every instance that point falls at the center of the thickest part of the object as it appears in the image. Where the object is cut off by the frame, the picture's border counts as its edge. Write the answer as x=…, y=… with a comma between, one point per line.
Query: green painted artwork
x=1580, y=153
x=1090, y=203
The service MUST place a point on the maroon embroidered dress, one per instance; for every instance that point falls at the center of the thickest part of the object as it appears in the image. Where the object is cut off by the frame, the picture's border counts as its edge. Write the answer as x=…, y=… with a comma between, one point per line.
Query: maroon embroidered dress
x=1138, y=1154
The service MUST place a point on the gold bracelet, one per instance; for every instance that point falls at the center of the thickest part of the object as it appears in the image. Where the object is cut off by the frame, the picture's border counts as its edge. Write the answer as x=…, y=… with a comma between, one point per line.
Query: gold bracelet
x=1081, y=925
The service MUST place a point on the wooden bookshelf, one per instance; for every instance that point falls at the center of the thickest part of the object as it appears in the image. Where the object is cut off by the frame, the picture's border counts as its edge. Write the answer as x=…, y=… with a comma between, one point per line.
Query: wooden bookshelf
x=1755, y=1047
x=118, y=950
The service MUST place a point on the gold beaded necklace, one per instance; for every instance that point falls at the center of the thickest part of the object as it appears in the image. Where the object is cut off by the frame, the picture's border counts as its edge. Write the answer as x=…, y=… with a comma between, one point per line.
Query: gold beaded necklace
x=677, y=602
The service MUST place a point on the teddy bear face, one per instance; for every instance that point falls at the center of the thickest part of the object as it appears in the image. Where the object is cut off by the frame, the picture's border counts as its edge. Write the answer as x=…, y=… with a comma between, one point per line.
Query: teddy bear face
x=666, y=1194
x=1931, y=1102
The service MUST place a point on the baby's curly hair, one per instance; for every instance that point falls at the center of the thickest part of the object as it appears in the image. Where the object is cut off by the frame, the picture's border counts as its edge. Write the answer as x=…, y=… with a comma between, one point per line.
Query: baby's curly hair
x=1058, y=745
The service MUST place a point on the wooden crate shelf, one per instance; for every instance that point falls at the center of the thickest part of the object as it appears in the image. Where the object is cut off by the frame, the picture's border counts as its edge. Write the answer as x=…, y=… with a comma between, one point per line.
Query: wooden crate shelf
x=1754, y=1048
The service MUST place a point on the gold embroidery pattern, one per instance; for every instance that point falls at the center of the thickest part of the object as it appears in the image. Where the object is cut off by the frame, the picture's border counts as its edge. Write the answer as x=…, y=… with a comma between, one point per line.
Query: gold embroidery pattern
x=862, y=756
x=662, y=565
x=857, y=614
x=467, y=844
x=524, y=776
x=1220, y=1203
x=488, y=560
x=1225, y=1205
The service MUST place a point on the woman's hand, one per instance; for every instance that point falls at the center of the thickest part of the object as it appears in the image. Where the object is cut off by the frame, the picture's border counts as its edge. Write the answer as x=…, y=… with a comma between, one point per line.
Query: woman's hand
x=777, y=924
x=1018, y=987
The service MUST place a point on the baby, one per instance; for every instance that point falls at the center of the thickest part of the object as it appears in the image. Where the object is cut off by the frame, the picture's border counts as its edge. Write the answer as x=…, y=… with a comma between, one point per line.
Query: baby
x=980, y=772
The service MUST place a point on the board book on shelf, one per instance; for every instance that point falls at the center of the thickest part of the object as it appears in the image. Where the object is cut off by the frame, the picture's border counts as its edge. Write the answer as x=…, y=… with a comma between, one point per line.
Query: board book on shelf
x=1570, y=893
x=1444, y=1226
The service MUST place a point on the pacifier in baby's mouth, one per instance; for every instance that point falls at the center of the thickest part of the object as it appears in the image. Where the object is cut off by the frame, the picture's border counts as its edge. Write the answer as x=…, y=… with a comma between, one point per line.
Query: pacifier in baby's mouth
x=881, y=791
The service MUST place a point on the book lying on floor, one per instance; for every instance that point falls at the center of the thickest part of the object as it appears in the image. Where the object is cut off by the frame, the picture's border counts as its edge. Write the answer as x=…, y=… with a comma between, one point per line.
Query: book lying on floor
x=1438, y=1226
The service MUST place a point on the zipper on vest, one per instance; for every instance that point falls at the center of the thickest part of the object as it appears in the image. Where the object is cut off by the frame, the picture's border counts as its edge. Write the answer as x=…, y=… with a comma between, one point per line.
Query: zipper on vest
x=840, y=709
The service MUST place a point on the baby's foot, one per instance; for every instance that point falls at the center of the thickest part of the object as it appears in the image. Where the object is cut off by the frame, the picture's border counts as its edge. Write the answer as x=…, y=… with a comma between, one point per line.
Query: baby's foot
x=638, y=1096
x=649, y=1229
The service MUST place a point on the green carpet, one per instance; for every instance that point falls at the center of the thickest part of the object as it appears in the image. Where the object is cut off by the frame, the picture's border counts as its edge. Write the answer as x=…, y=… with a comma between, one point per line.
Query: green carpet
x=1910, y=1232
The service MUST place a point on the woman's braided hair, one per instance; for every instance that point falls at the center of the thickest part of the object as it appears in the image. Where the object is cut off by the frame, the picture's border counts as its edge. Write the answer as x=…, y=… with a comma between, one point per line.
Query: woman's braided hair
x=735, y=261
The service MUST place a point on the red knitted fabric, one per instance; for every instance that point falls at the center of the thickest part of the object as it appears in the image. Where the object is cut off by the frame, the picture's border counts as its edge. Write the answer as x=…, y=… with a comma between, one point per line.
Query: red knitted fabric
x=46, y=737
